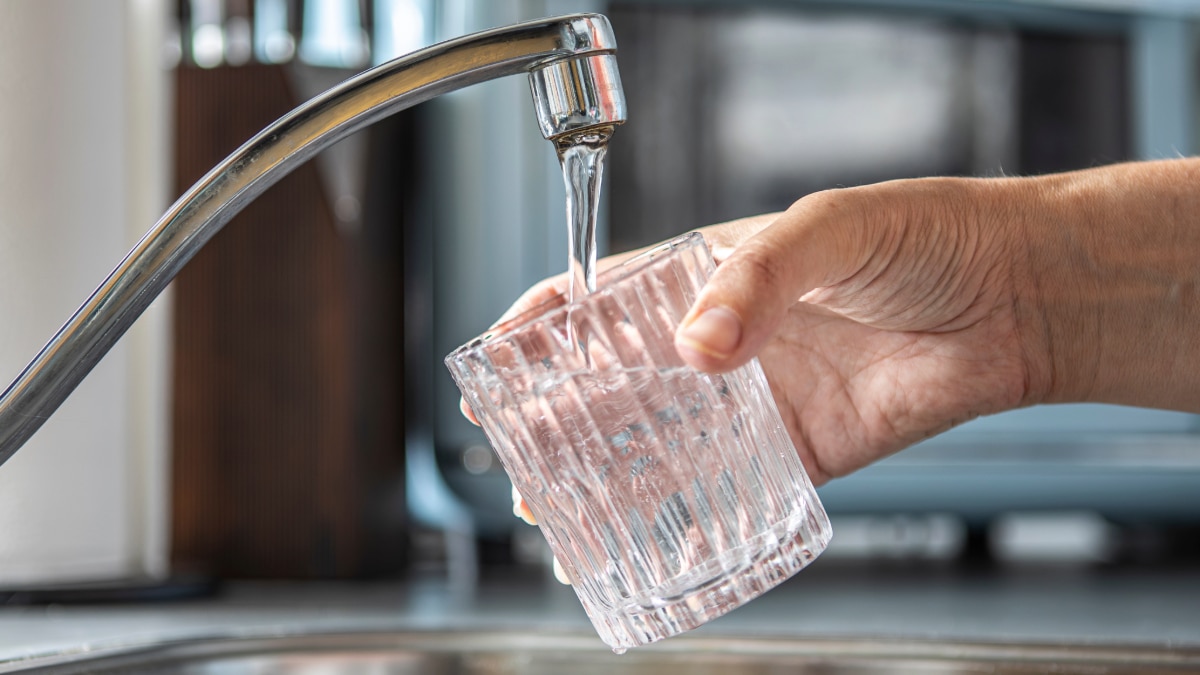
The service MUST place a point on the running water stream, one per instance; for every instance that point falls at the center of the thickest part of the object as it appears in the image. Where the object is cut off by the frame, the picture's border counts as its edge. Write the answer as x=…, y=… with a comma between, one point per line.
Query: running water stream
x=582, y=158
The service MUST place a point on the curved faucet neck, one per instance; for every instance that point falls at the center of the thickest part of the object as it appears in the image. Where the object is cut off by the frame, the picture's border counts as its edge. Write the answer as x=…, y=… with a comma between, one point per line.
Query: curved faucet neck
x=575, y=85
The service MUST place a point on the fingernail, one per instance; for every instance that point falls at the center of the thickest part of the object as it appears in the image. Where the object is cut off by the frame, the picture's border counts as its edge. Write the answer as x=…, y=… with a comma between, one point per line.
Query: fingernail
x=560, y=573
x=521, y=509
x=467, y=412
x=716, y=332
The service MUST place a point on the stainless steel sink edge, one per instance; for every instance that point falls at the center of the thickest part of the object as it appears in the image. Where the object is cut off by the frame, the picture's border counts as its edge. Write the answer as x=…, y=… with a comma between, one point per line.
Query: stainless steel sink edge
x=577, y=645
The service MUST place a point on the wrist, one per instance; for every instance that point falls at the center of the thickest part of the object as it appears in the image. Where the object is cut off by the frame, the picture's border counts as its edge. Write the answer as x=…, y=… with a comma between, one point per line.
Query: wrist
x=1110, y=289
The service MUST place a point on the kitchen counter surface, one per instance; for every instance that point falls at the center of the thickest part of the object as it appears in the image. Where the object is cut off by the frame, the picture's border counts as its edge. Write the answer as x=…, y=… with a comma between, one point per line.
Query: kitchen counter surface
x=1055, y=606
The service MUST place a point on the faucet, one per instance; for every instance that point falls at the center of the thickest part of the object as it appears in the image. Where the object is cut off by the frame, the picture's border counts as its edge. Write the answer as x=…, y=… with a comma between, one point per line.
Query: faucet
x=576, y=89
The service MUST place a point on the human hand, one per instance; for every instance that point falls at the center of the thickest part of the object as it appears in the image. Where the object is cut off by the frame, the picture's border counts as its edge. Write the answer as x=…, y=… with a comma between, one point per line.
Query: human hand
x=882, y=315
x=888, y=313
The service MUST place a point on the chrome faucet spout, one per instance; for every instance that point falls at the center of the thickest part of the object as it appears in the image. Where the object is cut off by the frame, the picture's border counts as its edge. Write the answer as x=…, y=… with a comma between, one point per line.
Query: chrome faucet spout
x=573, y=76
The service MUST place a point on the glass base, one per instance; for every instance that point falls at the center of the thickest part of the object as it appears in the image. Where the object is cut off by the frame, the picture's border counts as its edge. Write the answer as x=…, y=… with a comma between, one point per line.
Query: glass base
x=742, y=575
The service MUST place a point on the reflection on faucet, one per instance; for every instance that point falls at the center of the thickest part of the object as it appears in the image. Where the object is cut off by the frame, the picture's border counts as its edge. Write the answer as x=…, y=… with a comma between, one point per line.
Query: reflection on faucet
x=573, y=75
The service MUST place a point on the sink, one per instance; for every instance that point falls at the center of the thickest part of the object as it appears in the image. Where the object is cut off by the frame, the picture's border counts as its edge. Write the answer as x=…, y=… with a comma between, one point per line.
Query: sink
x=516, y=653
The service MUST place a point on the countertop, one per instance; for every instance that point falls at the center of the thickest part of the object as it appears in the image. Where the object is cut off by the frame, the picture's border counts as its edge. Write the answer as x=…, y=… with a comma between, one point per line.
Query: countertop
x=1143, y=607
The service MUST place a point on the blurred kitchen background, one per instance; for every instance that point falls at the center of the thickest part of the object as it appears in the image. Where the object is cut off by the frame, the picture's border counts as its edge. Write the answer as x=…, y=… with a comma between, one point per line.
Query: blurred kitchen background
x=283, y=412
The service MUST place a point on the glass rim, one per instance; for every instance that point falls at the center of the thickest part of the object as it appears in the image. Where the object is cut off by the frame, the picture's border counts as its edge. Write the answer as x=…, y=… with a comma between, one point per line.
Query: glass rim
x=557, y=304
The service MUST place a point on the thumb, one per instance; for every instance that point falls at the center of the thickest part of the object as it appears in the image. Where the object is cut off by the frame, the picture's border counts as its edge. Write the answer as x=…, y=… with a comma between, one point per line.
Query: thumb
x=814, y=243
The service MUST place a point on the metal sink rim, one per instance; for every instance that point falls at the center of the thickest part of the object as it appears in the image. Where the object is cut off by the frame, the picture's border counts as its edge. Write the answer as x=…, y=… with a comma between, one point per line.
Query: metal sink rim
x=488, y=641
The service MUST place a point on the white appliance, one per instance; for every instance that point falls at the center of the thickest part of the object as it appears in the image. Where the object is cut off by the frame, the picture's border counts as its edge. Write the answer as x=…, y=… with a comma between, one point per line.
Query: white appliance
x=84, y=171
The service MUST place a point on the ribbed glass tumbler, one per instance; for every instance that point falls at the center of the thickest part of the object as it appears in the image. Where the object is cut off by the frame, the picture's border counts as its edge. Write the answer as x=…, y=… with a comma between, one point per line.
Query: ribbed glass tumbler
x=670, y=496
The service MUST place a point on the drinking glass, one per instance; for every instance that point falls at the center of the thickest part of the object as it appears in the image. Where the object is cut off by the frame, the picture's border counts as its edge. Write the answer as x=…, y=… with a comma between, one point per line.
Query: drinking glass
x=669, y=496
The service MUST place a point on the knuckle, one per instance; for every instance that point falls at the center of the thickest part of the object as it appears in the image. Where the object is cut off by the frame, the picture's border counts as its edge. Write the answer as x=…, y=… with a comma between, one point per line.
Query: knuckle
x=760, y=268
x=824, y=201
